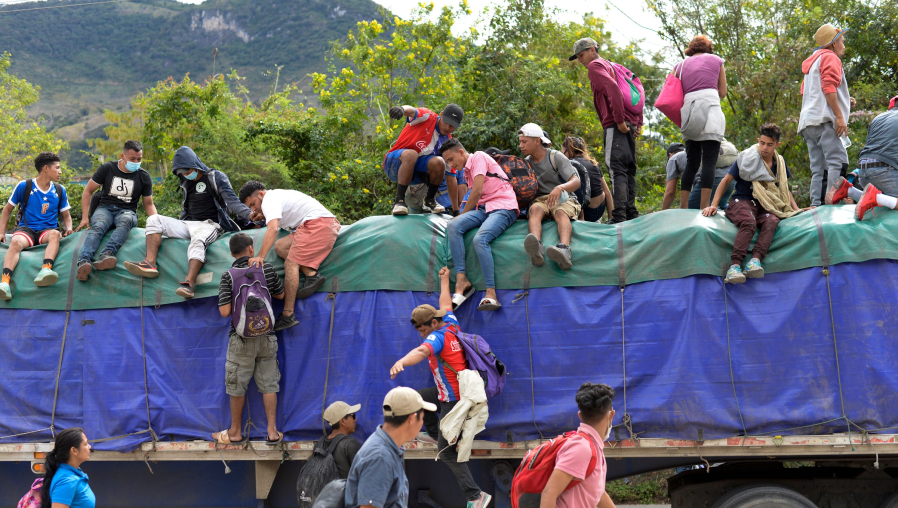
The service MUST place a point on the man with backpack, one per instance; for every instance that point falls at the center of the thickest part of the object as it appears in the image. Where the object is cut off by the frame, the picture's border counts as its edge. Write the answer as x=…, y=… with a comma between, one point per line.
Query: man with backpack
x=443, y=350
x=122, y=184
x=315, y=231
x=41, y=201
x=619, y=120
x=415, y=156
x=491, y=206
x=208, y=202
x=557, y=181
x=245, y=294
x=569, y=471
x=332, y=456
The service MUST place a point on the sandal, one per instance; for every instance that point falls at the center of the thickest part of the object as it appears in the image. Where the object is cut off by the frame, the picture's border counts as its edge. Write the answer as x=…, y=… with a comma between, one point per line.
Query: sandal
x=489, y=304
x=458, y=299
x=277, y=441
x=223, y=438
x=142, y=269
x=185, y=291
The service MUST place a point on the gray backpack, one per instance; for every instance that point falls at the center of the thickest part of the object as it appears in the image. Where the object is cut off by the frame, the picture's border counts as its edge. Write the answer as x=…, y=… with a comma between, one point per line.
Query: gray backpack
x=318, y=471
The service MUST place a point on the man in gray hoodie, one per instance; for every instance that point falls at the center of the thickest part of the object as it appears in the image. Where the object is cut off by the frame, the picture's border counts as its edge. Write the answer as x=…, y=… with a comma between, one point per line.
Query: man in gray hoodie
x=208, y=202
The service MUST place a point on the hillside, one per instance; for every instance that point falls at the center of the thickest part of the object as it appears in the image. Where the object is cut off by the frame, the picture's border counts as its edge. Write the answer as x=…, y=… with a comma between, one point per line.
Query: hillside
x=88, y=58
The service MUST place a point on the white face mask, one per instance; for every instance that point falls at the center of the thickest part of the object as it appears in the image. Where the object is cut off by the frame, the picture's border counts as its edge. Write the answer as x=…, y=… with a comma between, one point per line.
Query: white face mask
x=607, y=431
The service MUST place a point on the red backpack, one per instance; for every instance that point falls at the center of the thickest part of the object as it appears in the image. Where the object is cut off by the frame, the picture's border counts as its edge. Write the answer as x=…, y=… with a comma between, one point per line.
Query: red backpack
x=533, y=474
x=33, y=498
x=520, y=175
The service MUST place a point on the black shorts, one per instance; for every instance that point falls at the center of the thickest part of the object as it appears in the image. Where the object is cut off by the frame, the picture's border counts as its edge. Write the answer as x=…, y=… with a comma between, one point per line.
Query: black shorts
x=34, y=237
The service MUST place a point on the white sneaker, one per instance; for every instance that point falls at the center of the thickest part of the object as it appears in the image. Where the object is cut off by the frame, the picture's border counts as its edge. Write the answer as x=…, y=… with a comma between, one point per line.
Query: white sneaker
x=425, y=438
x=481, y=502
x=399, y=208
x=433, y=207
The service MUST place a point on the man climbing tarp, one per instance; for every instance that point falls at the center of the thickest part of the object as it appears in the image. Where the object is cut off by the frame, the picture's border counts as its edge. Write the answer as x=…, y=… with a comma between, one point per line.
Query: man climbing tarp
x=208, y=201
x=761, y=199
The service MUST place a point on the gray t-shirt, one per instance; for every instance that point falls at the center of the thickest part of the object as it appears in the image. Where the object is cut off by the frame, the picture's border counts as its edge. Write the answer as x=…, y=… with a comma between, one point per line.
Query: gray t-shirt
x=676, y=165
x=546, y=174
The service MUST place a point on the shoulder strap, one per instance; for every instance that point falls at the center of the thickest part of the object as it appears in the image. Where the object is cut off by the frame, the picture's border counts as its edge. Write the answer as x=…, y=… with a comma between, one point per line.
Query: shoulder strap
x=335, y=442
x=595, y=454
x=59, y=191
x=29, y=186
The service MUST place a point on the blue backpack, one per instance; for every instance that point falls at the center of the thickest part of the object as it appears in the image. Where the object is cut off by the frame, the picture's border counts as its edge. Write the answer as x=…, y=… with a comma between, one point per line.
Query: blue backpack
x=481, y=359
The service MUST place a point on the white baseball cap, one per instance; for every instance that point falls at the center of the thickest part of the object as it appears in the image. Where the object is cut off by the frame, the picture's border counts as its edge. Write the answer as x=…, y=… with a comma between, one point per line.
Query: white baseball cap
x=338, y=410
x=534, y=131
x=401, y=401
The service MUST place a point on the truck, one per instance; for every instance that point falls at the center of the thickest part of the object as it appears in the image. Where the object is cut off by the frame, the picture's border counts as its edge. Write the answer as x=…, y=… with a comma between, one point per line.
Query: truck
x=781, y=390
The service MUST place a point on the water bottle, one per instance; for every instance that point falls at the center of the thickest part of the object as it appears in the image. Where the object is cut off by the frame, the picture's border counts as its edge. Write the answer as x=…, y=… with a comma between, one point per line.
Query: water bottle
x=564, y=197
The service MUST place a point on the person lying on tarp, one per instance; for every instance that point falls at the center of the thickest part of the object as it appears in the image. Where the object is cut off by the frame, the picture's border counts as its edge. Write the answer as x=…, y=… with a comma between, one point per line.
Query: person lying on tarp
x=441, y=347
x=491, y=206
x=208, y=202
x=877, y=168
x=761, y=199
x=315, y=231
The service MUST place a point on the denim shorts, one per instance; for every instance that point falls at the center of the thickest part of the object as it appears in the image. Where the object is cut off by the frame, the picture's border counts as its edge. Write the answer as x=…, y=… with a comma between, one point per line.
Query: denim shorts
x=391, y=167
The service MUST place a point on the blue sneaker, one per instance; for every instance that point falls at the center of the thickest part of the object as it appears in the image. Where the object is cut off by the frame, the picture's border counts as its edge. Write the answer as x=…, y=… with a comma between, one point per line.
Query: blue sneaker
x=734, y=275
x=753, y=269
x=5, y=291
x=46, y=277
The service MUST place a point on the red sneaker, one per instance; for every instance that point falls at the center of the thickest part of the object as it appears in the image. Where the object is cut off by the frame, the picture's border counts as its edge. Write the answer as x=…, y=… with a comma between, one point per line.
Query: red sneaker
x=837, y=193
x=867, y=202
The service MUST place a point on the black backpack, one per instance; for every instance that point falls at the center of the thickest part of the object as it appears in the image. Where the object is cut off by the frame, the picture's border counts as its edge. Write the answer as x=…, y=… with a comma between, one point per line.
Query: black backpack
x=333, y=495
x=318, y=471
x=29, y=186
x=583, y=193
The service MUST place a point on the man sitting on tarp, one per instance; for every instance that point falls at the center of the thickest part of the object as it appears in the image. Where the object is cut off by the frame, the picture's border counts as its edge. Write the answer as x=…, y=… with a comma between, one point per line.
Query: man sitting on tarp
x=442, y=349
x=314, y=232
x=877, y=167
x=41, y=201
x=208, y=201
x=761, y=199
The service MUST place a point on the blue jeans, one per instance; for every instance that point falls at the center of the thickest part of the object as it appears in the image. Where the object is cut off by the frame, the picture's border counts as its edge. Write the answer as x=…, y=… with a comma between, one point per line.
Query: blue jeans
x=491, y=226
x=104, y=218
x=695, y=196
x=885, y=179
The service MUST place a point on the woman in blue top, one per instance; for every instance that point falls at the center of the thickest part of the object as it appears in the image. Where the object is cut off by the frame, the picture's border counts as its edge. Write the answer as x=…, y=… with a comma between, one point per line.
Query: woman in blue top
x=65, y=484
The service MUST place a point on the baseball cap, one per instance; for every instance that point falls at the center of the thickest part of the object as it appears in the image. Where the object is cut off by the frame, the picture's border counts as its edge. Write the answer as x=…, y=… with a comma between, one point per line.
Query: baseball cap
x=827, y=34
x=495, y=151
x=401, y=401
x=534, y=131
x=424, y=313
x=893, y=102
x=336, y=411
x=453, y=115
x=675, y=148
x=582, y=44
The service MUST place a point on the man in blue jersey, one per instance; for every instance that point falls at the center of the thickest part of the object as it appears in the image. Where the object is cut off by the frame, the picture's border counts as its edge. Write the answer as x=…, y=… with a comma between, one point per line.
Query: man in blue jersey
x=41, y=201
x=441, y=347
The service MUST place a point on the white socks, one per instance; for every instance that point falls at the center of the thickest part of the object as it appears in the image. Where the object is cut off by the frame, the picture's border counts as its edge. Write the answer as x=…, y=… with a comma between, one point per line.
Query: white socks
x=887, y=201
x=855, y=194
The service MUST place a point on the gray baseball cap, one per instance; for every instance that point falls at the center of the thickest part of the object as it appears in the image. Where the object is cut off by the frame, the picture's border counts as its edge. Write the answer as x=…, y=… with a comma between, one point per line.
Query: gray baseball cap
x=453, y=115
x=581, y=45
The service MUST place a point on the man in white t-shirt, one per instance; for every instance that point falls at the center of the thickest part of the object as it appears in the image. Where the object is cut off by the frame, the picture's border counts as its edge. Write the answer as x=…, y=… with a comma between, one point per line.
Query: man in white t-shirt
x=315, y=231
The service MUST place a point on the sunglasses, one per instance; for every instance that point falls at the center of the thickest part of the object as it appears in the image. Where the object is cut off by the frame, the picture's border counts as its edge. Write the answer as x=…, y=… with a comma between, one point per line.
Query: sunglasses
x=350, y=414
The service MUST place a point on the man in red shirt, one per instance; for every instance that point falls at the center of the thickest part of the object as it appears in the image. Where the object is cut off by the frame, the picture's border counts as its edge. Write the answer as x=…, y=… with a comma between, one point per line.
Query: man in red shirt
x=572, y=461
x=619, y=125
x=441, y=348
x=415, y=156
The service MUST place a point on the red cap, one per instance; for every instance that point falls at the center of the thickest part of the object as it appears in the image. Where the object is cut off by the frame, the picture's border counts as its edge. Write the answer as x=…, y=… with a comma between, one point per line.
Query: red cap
x=893, y=101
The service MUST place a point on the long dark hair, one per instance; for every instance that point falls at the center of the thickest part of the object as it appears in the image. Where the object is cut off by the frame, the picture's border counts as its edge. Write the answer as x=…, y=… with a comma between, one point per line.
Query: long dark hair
x=65, y=441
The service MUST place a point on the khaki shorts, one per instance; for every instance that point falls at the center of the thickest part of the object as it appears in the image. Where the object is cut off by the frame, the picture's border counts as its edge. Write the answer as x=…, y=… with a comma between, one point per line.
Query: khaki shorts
x=252, y=358
x=571, y=207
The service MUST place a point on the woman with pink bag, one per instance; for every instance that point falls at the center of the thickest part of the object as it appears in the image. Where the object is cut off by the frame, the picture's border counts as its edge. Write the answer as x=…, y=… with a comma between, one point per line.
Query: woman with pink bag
x=703, y=80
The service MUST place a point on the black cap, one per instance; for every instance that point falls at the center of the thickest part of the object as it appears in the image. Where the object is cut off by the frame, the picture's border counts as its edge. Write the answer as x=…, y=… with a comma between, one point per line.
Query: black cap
x=495, y=151
x=675, y=148
x=453, y=115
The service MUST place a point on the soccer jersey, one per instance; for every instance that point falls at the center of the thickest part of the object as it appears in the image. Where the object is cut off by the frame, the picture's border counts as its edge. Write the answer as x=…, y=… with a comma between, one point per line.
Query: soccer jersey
x=443, y=343
x=43, y=207
x=421, y=134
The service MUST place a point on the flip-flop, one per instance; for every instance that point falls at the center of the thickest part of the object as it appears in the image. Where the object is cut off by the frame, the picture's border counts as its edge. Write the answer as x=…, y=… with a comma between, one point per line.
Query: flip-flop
x=223, y=438
x=489, y=304
x=458, y=299
x=275, y=442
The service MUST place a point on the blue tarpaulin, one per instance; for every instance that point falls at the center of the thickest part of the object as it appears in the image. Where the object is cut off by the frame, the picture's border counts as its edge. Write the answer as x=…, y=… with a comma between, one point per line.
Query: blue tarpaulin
x=754, y=358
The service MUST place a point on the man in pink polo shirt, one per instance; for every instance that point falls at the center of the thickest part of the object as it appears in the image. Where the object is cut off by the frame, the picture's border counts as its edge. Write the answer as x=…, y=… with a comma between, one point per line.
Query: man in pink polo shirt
x=572, y=461
x=492, y=206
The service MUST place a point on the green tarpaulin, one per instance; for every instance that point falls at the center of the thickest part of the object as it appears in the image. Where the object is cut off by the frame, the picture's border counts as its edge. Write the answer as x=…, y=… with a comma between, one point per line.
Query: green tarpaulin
x=405, y=253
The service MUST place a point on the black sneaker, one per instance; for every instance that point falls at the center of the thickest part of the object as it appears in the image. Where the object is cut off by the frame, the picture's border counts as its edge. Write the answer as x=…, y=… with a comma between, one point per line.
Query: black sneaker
x=534, y=249
x=310, y=286
x=106, y=261
x=433, y=207
x=399, y=208
x=560, y=254
x=84, y=269
x=284, y=321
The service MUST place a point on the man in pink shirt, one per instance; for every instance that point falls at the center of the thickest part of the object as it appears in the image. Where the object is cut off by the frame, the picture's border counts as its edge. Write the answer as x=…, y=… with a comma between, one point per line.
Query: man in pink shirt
x=572, y=460
x=492, y=206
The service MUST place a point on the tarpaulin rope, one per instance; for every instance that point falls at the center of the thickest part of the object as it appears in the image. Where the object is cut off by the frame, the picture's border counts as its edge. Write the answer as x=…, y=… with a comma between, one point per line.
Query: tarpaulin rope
x=523, y=296
x=146, y=384
x=332, y=297
x=622, y=284
x=726, y=308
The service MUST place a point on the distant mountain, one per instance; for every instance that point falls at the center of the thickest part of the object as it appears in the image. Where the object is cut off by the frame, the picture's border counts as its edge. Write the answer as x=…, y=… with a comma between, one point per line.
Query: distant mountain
x=86, y=58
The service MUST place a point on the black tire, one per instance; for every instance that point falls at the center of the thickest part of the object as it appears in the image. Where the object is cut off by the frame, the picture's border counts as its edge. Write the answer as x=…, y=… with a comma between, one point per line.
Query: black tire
x=763, y=496
x=890, y=502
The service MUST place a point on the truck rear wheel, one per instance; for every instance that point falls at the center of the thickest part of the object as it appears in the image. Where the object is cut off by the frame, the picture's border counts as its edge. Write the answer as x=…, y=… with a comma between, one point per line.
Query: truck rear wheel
x=763, y=496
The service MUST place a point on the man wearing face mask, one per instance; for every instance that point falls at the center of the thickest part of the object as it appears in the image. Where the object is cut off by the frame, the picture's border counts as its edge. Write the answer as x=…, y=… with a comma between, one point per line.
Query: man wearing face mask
x=573, y=459
x=122, y=184
x=209, y=201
